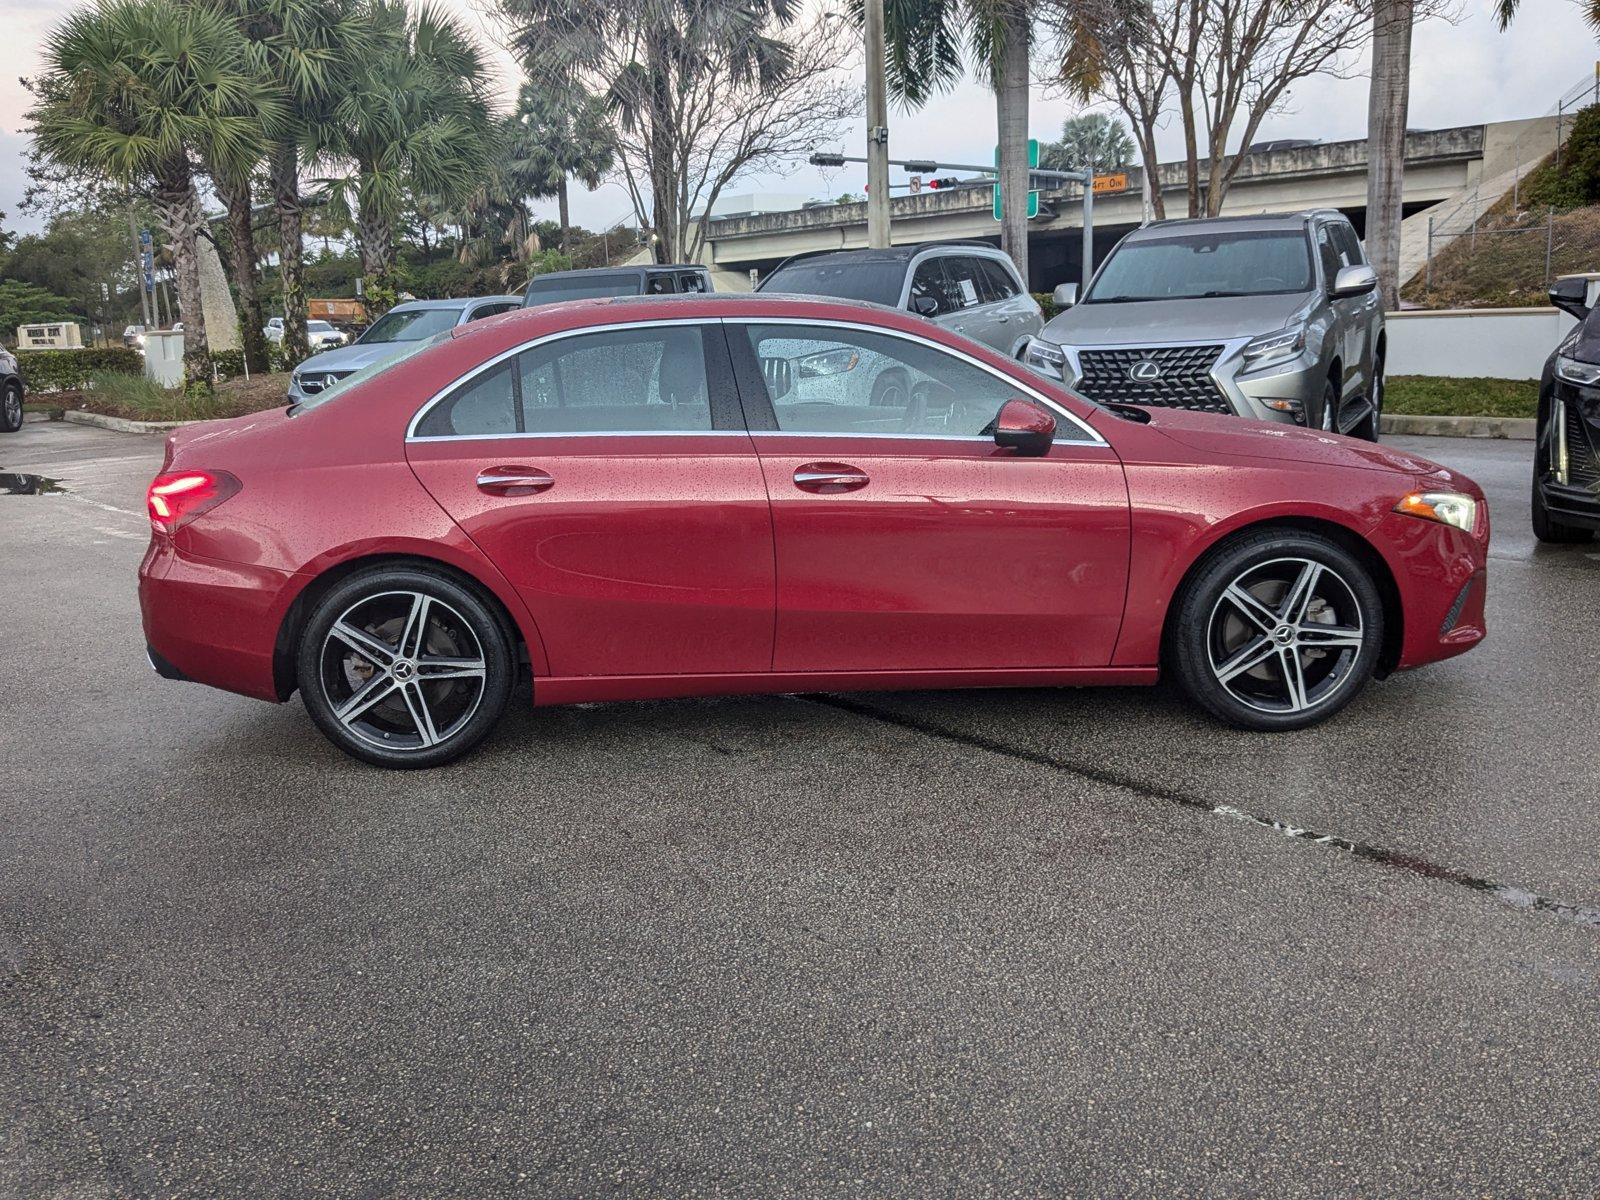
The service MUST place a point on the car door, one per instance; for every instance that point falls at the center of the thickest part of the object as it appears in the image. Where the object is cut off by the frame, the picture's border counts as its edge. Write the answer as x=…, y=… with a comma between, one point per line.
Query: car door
x=906, y=539
x=1016, y=314
x=608, y=475
x=973, y=314
x=1346, y=312
x=1364, y=309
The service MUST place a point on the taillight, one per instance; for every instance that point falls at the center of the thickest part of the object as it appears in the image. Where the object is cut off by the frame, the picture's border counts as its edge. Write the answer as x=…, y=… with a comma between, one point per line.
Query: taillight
x=177, y=497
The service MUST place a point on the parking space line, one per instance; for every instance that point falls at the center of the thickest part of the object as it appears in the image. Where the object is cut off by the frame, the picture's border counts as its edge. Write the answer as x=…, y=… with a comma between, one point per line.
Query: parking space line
x=1412, y=864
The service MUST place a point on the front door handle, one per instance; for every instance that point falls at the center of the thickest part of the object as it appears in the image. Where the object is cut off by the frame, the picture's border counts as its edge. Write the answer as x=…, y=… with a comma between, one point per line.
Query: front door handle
x=514, y=481
x=829, y=478
x=1005, y=320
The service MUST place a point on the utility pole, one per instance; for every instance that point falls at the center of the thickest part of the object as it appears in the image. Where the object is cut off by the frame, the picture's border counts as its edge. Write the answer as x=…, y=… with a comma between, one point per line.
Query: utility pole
x=877, y=131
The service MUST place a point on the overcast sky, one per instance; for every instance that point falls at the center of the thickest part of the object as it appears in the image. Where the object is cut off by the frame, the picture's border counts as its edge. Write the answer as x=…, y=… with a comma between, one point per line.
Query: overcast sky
x=1462, y=74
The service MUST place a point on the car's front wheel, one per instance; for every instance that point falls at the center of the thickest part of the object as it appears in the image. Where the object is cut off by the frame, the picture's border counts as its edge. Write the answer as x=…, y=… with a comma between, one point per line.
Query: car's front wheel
x=11, y=407
x=403, y=667
x=1278, y=630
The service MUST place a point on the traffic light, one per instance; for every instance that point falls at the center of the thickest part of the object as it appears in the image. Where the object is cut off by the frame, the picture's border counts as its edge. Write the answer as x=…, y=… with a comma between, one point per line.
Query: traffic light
x=948, y=181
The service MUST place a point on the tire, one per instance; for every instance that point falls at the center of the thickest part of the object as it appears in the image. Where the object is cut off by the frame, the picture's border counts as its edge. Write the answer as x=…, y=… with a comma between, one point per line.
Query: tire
x=1549, y=530
x=1330, y=408
x=892, y=388
x=11, y=407
x=1369, y=427
x=1331, y=647
x=362, y=677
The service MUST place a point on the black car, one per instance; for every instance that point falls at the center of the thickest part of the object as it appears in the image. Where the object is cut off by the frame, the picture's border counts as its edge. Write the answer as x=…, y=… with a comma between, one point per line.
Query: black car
x=1566, y=457
x=10, y=393
x=655, y=280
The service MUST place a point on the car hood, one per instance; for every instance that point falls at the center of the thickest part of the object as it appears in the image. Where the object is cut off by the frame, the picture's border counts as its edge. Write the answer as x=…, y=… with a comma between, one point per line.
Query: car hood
x=349, y=358
x=1217, y=434
x=1154, y=322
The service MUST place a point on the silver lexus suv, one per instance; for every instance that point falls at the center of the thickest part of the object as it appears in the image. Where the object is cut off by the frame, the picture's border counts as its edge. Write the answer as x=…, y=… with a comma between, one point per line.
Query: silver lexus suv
x=1275, y=318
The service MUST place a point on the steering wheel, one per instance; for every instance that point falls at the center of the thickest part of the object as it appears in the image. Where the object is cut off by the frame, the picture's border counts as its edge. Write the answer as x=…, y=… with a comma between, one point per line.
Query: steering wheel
x=916, y=412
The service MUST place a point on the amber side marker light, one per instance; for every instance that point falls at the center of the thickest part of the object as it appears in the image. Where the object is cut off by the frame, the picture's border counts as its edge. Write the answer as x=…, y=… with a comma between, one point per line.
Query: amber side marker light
x=1448, y=508
x=177, y=497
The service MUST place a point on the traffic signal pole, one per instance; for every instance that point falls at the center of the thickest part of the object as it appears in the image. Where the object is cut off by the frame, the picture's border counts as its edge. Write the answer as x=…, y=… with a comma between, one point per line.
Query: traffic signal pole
x=877, y=131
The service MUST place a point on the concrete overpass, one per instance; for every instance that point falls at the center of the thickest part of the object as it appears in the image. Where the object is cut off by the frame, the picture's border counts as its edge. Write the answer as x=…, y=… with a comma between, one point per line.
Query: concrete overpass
x=1443, y=167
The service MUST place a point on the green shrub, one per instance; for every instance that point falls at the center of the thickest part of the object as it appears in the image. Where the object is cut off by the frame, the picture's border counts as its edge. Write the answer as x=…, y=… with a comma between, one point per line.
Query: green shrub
x=1576, y=181
x=1047, y=302
x=143, y=399
x=61, y=370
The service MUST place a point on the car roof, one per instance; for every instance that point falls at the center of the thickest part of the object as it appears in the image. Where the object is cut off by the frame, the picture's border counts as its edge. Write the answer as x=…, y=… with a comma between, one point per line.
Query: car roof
x=1252, y=223
x=634, y=269
x=456, y=303
x=890, y=253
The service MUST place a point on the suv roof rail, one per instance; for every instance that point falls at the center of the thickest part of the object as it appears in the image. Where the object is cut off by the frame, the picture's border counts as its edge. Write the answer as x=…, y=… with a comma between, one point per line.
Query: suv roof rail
x=1303, y=214
x=909, y=249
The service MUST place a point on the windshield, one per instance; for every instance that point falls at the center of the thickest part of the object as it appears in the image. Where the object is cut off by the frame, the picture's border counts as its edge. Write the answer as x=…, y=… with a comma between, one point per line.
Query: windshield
x=553, y=291
x=1200, y=265
x=401, y=352
x=318, y=326
x=409, y=325
x=878, y=282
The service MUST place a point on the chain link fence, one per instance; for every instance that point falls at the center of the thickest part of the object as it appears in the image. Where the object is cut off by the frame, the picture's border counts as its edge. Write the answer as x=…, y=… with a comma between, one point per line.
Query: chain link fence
x=1505, y=259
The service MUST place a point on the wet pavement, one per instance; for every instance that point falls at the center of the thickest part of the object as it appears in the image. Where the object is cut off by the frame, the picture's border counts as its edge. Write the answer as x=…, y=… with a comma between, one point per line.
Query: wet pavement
x=1009, y=943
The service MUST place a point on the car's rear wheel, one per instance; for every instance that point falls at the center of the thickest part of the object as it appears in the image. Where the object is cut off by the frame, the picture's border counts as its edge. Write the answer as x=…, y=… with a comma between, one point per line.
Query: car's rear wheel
x=1370, y=424
x=11, y=407
x=403, y=667
x=892, y=389
x=1278, y=630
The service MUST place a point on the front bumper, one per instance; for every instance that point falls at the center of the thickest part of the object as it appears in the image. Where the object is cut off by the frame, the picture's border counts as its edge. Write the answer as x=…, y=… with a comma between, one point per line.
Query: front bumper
x=1571, y=504
x=212, y=622
x=1283, y=391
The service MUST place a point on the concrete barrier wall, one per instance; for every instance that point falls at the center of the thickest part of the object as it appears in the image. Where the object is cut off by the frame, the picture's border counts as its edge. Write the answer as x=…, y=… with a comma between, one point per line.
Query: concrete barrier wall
x=1496, y=343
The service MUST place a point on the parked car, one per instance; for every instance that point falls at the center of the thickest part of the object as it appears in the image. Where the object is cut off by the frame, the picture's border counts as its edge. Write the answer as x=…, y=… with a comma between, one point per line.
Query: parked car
x=11, y=392
x=643, y=499
x=1276, y=318
x=1566, y=458
x=601, y=282
x=322, y=335
x=133, y=336
x=402, y=325
x=273, y=329
x=968, y=287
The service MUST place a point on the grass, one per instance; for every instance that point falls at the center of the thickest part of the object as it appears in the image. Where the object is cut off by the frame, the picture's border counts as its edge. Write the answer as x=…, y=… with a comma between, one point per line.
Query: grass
x=139, y=399
x=1431, y=396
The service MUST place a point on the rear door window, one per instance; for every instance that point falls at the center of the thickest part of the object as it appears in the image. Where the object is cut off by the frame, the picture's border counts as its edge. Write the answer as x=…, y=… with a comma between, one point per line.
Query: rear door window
x=929, y=279
x=964, y=275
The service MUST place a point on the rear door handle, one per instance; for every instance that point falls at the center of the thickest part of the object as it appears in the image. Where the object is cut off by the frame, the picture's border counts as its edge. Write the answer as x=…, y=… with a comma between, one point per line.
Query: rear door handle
x=514, y=481
x=830, y=478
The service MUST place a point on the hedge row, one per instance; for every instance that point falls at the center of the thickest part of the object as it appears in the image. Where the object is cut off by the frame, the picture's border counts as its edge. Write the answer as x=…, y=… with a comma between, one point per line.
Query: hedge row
x=62, y=370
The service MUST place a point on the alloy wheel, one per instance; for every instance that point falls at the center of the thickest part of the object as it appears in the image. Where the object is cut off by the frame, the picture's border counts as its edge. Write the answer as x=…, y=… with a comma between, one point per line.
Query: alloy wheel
x=402, y=670
x=1285, y=635
x=13, y=403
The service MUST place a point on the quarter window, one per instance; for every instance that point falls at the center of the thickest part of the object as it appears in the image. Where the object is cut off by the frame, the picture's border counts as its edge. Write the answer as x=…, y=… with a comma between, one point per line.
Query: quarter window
x=998, y=281
x=852, y=381
x=644, y=380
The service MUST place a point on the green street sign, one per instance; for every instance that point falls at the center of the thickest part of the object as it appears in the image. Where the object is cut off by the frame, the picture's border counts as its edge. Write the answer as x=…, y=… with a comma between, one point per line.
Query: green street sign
x=1033, y=197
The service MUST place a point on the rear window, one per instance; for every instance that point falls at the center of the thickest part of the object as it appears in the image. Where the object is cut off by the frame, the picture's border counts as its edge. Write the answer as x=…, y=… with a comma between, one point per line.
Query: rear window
x=402, y=352
x=410, y=325
x=592, y=287
x=878, y=282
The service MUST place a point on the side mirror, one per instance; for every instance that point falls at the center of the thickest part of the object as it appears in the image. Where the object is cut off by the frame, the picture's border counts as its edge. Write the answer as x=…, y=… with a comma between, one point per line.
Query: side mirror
x=1065, y=295
x=1024, y=427
x=1570, y=294
x=924, y=306
x=1355, y=280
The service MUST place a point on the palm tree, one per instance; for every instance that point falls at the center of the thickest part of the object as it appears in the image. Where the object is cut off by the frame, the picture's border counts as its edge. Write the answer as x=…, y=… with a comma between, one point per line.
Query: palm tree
x=136, y=91
x=554, y=135
x=640, y=54
x=1392, y=21
x=308, y=50
x=928, y=41
x=235, y=186
x=413, y=117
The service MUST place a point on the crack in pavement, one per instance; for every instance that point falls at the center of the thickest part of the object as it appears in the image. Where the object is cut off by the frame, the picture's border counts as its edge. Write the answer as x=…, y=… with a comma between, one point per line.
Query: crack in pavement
x=1412, y=864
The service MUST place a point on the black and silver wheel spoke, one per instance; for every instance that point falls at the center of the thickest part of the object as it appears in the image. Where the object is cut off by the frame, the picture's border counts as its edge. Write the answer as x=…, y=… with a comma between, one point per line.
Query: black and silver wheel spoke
x=363, y=643
x=1284, y=635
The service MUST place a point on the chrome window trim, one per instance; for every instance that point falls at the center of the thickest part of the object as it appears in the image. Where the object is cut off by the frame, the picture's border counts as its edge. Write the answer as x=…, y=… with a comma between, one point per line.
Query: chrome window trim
x=1093, y=437
x=559, y=335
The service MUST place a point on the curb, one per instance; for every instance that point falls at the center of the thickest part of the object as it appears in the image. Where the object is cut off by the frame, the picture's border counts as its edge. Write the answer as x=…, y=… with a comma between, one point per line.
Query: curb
x=41, y=414
x=1520, y=429
x=122, y=424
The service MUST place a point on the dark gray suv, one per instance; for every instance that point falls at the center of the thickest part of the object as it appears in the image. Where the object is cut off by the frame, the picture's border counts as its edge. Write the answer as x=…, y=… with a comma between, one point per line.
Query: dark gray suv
x=1275, y=318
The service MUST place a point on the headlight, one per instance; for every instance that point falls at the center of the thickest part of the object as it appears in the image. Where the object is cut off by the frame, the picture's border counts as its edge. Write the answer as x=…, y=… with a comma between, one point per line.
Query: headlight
x=1274, y=347
x=828, y=362
x=1582, y=373
x=1048, y=357
x=1448, y=508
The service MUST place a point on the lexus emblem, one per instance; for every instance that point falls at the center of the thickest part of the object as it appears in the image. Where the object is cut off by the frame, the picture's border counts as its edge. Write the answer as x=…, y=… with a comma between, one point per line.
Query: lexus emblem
x=1146, y=370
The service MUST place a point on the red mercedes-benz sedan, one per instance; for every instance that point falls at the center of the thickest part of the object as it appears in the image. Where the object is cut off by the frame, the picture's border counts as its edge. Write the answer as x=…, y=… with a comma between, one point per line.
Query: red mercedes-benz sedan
x=670, y=497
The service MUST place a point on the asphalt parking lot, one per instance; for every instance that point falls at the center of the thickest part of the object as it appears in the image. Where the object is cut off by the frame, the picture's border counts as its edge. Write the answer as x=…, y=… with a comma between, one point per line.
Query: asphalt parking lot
x=1012, y=943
